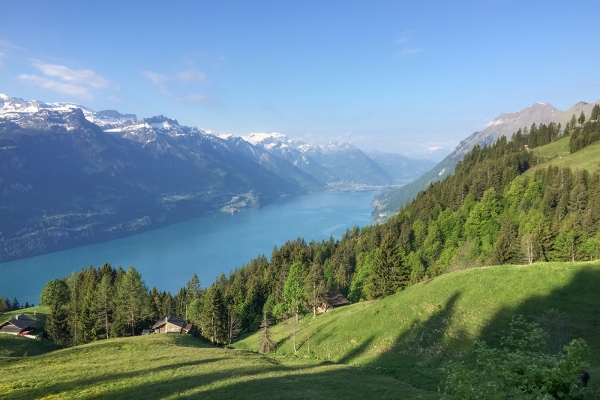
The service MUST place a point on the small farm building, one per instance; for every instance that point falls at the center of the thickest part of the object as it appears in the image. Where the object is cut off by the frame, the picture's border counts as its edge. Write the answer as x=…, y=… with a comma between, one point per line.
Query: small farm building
x=334, y=300
x=20, y=325
x=171, y=324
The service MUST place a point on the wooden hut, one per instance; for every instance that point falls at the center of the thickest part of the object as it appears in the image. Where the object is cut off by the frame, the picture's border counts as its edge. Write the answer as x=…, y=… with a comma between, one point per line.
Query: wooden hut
x=170, y=324
x=20, y=325
x=334, y=300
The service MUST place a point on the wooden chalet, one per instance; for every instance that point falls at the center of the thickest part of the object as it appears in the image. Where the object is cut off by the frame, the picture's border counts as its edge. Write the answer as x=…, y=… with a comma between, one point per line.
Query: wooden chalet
x=171, y=324
x=21, y=325
x=334, y=300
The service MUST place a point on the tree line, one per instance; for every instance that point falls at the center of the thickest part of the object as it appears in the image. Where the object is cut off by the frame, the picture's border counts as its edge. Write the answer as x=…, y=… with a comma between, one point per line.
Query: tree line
x=488, y=212
x=6, y=305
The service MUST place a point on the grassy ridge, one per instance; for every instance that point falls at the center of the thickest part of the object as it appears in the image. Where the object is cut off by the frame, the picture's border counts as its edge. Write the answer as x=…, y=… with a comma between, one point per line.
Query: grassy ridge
x=557, y=154
x=412, y=333
x=175, y=366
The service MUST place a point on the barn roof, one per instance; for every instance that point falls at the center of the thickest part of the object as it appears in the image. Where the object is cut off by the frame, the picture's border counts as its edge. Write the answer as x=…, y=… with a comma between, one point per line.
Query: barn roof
x=171, y=319
x=17, y=324
x=336, y=299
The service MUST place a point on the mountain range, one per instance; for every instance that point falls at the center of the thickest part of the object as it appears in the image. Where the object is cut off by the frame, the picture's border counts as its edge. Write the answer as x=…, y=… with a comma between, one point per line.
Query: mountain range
x=389, y=202
x=71, y=176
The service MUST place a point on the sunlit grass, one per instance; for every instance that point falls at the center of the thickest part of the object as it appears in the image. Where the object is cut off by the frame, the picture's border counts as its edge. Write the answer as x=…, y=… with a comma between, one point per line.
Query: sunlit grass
x=175, y=366
x=414, y=332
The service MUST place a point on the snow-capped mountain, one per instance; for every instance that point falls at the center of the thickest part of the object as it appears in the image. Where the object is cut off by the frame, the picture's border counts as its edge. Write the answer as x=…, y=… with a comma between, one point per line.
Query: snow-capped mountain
x=334, y=162
x=70, y=176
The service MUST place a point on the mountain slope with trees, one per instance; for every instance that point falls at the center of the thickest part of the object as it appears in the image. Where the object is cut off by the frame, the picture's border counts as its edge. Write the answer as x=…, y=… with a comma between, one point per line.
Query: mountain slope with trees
x=388, y=203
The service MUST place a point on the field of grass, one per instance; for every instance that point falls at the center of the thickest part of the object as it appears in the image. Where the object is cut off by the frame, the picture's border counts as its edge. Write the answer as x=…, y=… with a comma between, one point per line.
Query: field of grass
x=175, y=366
x=557, y=154
x=413, y=333
x=14, y=346
x=393, y=348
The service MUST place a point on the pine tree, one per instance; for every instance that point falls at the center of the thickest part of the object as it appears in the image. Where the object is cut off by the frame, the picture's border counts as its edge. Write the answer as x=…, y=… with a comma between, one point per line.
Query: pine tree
x=4, y=305
x=56, y=323
x=265, y=344
x=388, y=273
x=131, y=300
x=104, y=304
x=595, y=113
x=581, y=119
x=15, y=304
x=214, y=316
x=194, y=289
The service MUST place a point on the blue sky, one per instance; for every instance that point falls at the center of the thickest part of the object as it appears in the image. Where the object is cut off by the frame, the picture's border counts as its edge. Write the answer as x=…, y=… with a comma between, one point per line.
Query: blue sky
x=394, y=76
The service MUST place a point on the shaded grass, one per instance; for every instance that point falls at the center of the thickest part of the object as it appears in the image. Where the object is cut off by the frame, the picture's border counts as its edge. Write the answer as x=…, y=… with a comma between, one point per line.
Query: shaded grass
x=175, y=366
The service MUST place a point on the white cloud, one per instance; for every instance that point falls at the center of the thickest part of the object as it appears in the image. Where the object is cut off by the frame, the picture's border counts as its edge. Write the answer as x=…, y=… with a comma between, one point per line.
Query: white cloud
x=193, y=97
x=115, y=99
x=405, y=53
x=60, y=87
x=192, y=75
x=161, y=81
x=86, y=76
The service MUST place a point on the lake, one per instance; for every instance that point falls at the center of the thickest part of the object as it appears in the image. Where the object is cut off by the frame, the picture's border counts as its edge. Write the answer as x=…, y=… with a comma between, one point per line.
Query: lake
x=168, y=257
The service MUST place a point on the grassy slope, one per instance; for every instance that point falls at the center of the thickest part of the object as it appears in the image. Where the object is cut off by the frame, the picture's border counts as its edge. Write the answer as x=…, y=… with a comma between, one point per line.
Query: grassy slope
x=412, y=333
x=175, y=366
x=557, y=154
x=392, y=348
x=14, y=346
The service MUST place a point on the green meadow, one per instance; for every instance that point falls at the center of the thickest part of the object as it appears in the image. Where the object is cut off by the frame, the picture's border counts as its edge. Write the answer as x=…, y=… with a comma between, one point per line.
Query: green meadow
x=557, y=154
x=392, y=348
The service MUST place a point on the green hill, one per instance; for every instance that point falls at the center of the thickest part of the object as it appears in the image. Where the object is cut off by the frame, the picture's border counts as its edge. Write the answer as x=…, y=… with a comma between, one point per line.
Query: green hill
x=392, y=348
x=414, y=332
x=176, y=366
x=557, y=154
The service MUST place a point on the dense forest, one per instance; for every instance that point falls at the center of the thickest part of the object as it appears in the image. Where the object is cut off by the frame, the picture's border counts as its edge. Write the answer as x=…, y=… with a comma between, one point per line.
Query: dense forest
x=491, y=211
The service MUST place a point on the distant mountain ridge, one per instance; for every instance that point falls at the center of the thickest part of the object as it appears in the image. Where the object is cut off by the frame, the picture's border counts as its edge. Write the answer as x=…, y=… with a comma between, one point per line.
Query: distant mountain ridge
x=71, y=176
x=342, y=162
x=388, y=203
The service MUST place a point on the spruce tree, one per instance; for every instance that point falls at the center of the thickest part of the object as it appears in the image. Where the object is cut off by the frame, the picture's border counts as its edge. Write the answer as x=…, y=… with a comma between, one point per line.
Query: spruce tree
x=214, y=316
x=15, y=304
x=581, y=119
x=265, y=344
x=56, y=323
x=131, y=300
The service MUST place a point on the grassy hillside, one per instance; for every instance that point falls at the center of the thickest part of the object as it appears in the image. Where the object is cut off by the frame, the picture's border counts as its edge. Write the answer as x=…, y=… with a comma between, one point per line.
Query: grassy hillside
x=411, y=334
x=392, y=348
x=557, y=154
x=175, y=366
x=14, y=346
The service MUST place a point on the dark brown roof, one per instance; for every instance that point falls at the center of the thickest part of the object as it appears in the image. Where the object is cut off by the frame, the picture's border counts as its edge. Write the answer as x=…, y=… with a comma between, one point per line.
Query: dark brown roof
x=336, y=299
x=178, y=321
x=20, y=321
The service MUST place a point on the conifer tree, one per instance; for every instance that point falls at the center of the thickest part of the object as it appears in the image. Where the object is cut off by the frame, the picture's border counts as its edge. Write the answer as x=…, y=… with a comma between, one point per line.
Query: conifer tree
x=581, y=119
x=214, y=316
x=56, y=323
x=104, y=304
x=595, y=113
x=15, y=304
x=265, y=344
x=131, y=300
x=388, y=273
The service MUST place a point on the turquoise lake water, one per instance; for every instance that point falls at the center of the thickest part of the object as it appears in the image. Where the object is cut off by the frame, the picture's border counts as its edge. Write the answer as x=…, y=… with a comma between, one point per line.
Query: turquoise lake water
x=168, y=257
